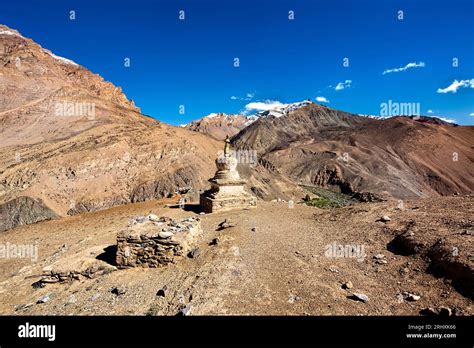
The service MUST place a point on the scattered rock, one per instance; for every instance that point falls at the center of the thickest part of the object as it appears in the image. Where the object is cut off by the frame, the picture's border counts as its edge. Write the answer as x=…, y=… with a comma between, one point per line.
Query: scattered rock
x=194, y=253
x=347, y=285
x=118, y=290
x=43, y=299
x=333, y=269
x=185, y=310
x=152, y=217
x=39, y=284
x=379, y=256
x=359, y=297
x=162, y=291
x=215, y=241
x=440, y=311
x=385, y=218
x=24, y=307
x=293, y=298
x=411, y=297
x=95, y=297
x=445, y=311
x=404, y=270
x=225, y=224
x=72, y=299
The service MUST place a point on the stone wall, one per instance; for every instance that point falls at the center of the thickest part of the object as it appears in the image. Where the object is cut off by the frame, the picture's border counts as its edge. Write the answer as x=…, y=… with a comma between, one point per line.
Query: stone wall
x=151, y=241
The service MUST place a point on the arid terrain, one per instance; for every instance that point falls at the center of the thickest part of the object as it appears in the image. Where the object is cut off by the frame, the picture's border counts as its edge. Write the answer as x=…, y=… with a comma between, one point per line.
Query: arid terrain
x=273, y=261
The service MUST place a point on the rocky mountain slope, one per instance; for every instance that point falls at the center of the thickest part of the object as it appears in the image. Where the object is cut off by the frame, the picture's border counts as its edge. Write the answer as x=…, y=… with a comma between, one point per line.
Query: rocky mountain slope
x=401, y=157
x=219, y=125
x=72, y=142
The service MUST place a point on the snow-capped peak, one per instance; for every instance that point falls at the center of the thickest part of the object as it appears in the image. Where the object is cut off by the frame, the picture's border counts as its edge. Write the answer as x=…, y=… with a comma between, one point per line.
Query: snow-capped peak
x=283, y=110
x=9, y=32
x=60, y=59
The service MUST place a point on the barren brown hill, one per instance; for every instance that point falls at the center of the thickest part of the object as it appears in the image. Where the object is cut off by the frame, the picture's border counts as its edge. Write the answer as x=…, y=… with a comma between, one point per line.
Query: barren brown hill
x=401, y=157
x=219, y=125
x=71, y=142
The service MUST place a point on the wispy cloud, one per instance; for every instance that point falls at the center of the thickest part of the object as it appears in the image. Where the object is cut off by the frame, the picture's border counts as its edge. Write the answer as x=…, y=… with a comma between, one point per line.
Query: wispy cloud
x=404, y=68
x=453, y=87
x=248, y=96
x=342, y=85
x=321, y=99
x=430, y=111
x=265, y=105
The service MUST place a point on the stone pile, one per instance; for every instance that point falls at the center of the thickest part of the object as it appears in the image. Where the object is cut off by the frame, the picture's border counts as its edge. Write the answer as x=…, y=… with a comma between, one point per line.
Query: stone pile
x=152, y=242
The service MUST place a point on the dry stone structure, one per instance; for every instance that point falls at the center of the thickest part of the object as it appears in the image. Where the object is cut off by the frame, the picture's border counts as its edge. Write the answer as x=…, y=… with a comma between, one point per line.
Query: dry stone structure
x=152, y=242
x=227, y=188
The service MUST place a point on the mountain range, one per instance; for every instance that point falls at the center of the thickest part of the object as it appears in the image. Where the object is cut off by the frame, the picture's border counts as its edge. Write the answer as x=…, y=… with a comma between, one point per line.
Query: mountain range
x=71, y=142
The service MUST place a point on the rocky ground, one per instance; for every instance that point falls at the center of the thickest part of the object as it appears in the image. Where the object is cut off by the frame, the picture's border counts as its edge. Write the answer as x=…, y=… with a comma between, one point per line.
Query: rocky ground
x=273, y=261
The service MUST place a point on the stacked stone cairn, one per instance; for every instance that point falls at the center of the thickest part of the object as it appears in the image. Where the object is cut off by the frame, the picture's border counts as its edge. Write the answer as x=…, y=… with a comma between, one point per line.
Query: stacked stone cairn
x=152, y=242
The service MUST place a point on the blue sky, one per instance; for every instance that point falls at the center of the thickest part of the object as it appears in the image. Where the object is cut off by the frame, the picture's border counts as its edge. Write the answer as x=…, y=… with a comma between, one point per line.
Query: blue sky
x=190, y=62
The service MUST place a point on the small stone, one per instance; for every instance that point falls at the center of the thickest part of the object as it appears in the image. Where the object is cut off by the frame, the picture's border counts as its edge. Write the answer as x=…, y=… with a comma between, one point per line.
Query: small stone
x=254, y=229
x=95, y=297
x=38, y=285
x=385, y=218
x=347, y=285
x=445, y=311
x=225, y=224
x=404, y=270
x=202, y=213
x=292, y=299
x=43, y=299
x=194, y=253
x=152, y=217
x=429, y=311
x=379, y=256
x=118, y=290
x=359, y=297
x=24, y=307
x=185, y=311
x=333, y=269
x=411, y=297
x=72, y=299
x=215, y=241
x=164, y=234
x=162, y=291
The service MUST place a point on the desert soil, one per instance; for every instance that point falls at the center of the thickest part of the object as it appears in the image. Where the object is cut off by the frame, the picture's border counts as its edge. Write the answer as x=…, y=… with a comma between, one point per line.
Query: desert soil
x=271, y=263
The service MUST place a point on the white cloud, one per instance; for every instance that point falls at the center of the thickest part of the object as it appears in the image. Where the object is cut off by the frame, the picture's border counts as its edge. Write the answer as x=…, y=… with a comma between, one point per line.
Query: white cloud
x=342, y=85
x=406, y=67
x=453, y=87
x=322, y=99
x=250, y=95
x=233, y=97
x=430, y=111
x=265, y=105
x=471, y=114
